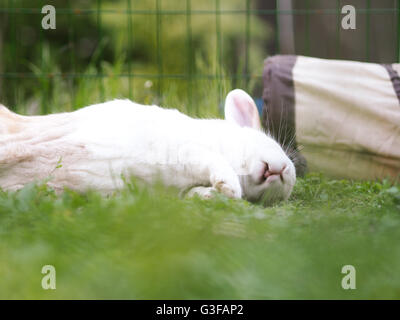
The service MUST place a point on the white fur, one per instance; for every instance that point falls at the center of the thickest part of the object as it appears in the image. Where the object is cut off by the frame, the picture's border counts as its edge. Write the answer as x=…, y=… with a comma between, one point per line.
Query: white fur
x=99, y=144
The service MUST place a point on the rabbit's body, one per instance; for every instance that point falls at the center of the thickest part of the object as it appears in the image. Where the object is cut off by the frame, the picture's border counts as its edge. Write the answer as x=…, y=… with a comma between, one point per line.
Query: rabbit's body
x=94, y=147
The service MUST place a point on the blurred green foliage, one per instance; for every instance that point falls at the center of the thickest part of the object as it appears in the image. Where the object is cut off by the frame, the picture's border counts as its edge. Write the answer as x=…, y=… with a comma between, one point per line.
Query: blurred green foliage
x=183, y=49
x=146, y=243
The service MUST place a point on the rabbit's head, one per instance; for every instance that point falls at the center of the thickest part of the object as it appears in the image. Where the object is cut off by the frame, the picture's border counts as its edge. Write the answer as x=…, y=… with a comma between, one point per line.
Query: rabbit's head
x=266, y=172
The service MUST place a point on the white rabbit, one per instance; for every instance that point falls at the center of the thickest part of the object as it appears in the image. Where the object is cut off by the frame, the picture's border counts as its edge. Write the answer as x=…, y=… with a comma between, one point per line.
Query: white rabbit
x=94, y=147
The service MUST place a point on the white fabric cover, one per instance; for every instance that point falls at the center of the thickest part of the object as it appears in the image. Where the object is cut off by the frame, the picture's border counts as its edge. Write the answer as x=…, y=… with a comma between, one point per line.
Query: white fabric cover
x=347, y=117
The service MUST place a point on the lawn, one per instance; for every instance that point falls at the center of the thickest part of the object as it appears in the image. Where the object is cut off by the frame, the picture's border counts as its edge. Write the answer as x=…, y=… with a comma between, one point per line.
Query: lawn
x=147, y=243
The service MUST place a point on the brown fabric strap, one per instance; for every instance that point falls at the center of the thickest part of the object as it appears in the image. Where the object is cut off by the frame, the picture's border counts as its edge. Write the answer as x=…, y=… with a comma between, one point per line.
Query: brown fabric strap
x=394, y=77
x=279, y=103
x=278, y=116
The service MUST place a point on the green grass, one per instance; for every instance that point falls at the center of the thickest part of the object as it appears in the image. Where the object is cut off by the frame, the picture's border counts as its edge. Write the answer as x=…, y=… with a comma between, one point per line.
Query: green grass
x=146, y=243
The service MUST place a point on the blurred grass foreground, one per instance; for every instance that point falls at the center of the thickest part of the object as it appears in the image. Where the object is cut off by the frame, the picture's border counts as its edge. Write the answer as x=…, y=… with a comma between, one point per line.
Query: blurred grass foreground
x=149, y=244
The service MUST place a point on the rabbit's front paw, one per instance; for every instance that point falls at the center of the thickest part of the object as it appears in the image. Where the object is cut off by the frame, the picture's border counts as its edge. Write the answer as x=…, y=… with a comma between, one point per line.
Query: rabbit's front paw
x=202, y=192
x=227, y=185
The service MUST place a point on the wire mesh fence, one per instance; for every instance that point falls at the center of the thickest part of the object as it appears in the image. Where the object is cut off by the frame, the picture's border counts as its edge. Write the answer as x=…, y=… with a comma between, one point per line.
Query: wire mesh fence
x=153, y=50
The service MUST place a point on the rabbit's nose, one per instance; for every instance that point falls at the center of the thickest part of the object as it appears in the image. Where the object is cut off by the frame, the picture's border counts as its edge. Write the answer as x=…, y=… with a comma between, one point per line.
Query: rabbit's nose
x=273, y=172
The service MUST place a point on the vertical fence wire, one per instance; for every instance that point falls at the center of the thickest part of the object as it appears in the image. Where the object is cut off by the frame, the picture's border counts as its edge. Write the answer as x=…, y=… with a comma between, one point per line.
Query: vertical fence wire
x=367, y=31
x=43, y=77
x=277, y=30
x=71, y=48
x=338, y=28
x=130, y=48
x=15, y=55
x=159, y=56
x=190, y=57
x=398, y=31
x=307, y=32
x=99, y=47
x=219, y=48
x=14, y=50
x=247, y=45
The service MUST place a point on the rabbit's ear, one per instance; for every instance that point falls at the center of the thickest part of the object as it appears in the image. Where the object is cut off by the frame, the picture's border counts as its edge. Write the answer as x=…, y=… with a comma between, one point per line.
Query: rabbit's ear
x=241, y=109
